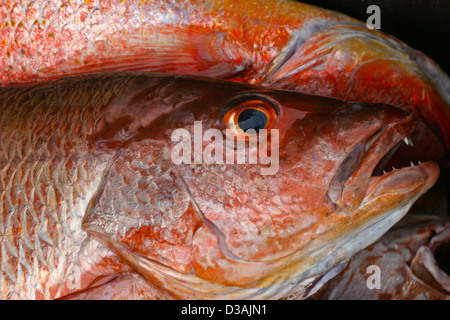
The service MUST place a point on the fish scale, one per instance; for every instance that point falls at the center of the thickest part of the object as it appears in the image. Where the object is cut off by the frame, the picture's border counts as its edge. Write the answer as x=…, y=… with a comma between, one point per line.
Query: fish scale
x=278, y=44
x=108, y=202
x=161, y=208
x=45, y=190
x=87, y=36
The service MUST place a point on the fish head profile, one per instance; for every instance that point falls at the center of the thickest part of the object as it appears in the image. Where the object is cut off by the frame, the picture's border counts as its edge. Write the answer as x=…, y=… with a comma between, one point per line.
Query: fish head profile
x=182, y=204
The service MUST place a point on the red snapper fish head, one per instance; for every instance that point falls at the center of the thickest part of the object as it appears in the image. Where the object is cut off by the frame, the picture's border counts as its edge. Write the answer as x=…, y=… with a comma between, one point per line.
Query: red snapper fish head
x=223, y=229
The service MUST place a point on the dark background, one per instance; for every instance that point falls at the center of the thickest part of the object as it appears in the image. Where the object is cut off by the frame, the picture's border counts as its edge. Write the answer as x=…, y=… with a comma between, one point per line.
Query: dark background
x=422, y=24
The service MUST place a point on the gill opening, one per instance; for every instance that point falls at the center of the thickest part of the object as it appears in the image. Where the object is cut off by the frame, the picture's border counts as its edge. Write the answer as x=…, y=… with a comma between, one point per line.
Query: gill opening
x=297, y=40
x=98, y=192
x=220, y=237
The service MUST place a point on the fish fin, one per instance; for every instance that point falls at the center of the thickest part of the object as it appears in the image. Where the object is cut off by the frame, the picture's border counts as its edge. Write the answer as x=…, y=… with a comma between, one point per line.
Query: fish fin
x=174, y=50
x=119, y=287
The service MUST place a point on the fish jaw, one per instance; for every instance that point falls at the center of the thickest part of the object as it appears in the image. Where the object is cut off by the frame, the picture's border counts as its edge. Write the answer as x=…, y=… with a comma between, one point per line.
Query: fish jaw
x=295, y=276
x=349, y=184
x=388, y=198
x=226, y=230
x=343, y=61
x=321, y=244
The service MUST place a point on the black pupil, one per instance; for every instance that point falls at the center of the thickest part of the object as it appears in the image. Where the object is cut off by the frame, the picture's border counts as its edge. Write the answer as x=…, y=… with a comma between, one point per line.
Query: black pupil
x=252, y=119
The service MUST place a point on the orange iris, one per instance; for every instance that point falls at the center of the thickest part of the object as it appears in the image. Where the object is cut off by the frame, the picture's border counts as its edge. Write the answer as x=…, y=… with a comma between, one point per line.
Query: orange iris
x=248, y=117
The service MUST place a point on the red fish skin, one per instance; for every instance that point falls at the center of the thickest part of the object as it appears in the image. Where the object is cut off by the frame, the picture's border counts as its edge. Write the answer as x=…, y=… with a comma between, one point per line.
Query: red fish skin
x=405, y=258
x=344, y=61
x=49, y=172
x=88, y=188
x=45, y=182
x=44, y=39
x=256, y=41
x=243, y=62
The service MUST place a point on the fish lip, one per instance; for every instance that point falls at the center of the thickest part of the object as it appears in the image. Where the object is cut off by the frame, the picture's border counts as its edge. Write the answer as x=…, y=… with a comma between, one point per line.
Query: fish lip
x=369, y=152
x=423, y=173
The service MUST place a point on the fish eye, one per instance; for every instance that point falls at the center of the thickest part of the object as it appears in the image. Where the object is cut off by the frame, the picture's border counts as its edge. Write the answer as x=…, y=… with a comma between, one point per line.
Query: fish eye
x=247, y=117
x=251, y=118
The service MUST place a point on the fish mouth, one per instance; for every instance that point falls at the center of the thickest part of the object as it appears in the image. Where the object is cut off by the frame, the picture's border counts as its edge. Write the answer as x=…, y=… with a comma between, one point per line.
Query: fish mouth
x=369, y=200
x=363, y=167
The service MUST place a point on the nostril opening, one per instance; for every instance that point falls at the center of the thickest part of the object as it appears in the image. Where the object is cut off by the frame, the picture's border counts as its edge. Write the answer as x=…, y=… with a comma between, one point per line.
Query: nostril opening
x=442, y=256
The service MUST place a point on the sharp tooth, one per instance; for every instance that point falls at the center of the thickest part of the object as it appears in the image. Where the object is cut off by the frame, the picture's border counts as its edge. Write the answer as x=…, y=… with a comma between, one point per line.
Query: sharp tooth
x=384, y=172
x=412, y=164
x=410, y=142
x=405, y=139
x=420, y=162
x=393, y=168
